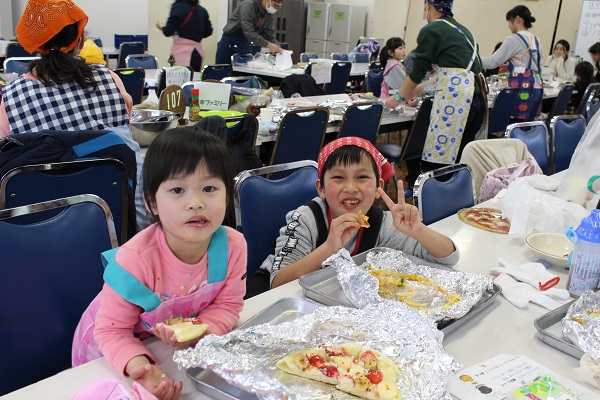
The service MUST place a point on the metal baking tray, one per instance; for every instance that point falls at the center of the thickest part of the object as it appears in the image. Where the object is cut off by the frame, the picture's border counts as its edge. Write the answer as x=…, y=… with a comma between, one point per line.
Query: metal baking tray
x=324, y=287
x=283, y=310
x=549, y=330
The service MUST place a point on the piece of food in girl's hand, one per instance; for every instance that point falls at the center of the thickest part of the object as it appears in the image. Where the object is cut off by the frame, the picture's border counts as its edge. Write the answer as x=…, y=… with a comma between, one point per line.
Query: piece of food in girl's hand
x=365, y=220
x=185, y=329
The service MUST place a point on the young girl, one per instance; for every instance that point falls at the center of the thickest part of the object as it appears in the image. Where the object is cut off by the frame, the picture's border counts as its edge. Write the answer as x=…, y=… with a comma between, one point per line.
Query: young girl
x=351, y=173
x=186, y=263
x=584, y=75
x=394, y=73
x=561, y=65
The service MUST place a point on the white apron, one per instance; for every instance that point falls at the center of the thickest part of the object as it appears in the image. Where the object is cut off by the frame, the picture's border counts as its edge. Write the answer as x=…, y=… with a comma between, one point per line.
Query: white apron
x=450, y=110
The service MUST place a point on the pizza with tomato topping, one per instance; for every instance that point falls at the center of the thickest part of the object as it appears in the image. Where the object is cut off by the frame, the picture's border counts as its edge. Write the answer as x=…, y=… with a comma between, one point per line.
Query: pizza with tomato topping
x=489, y=219
x=185, y=329
x=365, y=373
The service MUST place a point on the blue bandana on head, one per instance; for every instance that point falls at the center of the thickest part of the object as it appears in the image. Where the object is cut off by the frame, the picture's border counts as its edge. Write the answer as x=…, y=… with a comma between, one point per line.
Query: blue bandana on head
x=443, y=6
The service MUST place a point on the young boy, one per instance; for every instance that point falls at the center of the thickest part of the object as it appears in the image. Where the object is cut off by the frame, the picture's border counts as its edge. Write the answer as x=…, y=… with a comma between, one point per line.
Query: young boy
x=351, y=174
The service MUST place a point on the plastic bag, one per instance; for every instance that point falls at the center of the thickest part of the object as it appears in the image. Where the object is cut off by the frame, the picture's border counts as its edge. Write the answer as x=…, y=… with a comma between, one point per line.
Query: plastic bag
x=261, y=61
x=497, y=179
x=581, y=181
x=283, y=60
x=544, y=388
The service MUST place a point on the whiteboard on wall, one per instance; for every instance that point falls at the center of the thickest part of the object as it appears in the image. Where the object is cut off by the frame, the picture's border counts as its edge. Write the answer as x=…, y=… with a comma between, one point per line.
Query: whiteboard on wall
x=589, y=29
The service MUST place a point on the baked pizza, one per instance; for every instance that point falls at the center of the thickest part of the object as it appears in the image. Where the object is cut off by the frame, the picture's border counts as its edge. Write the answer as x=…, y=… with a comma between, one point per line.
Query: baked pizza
x=413, y=289
x=365, y=373
x=365, y=220
x=489, y=219
x=185, y=329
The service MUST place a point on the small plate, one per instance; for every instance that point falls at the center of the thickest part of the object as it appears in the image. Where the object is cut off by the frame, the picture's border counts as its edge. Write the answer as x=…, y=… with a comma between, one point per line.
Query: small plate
x=553, y=248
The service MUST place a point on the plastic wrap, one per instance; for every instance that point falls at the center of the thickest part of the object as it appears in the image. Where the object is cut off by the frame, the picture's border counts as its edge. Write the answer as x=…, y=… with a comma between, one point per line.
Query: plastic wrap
x=581, y=324
x=246, y=358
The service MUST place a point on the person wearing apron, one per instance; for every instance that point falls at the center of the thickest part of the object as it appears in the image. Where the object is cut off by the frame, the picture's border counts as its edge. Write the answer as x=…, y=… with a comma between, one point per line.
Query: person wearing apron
x=250, y=23
x=524, y=52
x=458, y=106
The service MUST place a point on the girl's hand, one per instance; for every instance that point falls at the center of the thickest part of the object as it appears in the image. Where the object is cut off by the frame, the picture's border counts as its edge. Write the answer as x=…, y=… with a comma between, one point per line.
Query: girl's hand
x=158, y=25
x=156, y=382
x=341, y=230
x=406, y=216
x=412, y=102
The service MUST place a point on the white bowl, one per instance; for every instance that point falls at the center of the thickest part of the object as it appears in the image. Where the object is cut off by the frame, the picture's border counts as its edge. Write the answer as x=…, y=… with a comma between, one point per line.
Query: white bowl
x=553, y=248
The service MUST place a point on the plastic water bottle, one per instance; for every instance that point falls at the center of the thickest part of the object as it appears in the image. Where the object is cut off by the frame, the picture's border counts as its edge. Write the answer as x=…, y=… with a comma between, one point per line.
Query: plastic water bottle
x=584, y=260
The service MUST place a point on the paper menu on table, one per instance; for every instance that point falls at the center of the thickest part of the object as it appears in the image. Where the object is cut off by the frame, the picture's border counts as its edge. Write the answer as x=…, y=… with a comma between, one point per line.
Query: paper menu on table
x=321, y=72
x=498, y=377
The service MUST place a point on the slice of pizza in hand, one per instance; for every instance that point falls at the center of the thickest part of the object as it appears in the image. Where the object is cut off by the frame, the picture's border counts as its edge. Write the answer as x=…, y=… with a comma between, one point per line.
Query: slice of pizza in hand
x=186, y=329
x=365, y=220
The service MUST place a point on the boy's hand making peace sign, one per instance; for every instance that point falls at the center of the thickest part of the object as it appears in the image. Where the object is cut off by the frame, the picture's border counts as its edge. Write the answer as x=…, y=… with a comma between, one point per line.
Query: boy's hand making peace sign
x=406, y=216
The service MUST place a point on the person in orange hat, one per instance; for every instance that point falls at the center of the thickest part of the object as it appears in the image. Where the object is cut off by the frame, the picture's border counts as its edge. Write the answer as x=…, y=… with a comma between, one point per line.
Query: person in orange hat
x=351, y=173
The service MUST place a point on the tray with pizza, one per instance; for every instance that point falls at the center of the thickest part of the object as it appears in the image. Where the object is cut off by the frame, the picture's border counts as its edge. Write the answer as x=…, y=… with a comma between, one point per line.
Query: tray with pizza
x=324, y=287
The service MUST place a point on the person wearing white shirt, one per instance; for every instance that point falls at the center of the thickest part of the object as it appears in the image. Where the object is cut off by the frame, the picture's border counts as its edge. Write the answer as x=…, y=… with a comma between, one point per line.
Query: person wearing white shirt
x=562, y=66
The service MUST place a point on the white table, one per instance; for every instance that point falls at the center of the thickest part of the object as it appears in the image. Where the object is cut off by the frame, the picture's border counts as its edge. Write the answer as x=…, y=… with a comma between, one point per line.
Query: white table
x=501, y=328
x=358, y=70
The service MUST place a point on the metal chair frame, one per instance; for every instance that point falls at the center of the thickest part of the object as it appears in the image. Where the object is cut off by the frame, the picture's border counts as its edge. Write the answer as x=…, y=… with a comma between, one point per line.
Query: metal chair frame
x=532, y=125
x=590, y=92
x=566, y=147
x=23, y=62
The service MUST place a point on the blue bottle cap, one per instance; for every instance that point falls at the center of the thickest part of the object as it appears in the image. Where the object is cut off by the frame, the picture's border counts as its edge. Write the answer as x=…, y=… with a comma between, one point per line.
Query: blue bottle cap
x=589, y=229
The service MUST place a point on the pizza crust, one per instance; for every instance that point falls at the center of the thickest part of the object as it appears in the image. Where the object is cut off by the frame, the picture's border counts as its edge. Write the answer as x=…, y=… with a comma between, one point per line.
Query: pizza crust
x=365, y=220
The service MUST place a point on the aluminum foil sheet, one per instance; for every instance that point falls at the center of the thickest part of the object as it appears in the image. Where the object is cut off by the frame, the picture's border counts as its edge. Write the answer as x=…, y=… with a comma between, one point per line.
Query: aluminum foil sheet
x=362, y=288
x=246, y=358
x=581, y=324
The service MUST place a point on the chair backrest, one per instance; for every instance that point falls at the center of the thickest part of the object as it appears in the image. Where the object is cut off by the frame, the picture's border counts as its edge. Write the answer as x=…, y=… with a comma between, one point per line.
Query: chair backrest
x=261, y=204
x=340, y=72
x=133, y=80
x=146, y=61
x=59, y=261
x=437, y=199
x=373, y=79
x=301, y=134
x=216, y=72
x=239, y=59
x=306, y=57
x=128, y=48
x=591, y=108
x=535, y=135
x=362, y=57
x=565, y=133
x=97, y=41
x=362, y=120
x=340, y=57
x=235, y=125
x=187, y=91
x=415, y=140
x=562, y=100
x=18, y=65
x=590, y=92
x=375, y=66
x=16, y=50
x=504, y=103
x=105, y=178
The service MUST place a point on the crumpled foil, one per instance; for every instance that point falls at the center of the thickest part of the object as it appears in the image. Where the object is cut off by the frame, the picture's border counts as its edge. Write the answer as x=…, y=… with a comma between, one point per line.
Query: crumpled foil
x=246, y=358
x=585, y=335
x=362, y=288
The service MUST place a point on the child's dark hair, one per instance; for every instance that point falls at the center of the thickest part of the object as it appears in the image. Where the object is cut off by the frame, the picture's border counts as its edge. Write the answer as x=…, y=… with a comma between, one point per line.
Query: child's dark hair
x=524, y=13
x=59, y=67
x=392, y=44
x=347, y=155
x=595, y=48
x=179, y=151
x=565, y=44
x=585, y=71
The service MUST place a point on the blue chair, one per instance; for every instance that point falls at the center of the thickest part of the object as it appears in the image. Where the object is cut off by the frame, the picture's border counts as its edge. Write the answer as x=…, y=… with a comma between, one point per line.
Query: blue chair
x=501, y=110
x=216, y=72
x=362, y=120
x=437, y=199
x=128, y=48
x=362, y=57
x=590, y=92
x=306, y=57
x=340, y=72
x=339, y=57
x=591, y=108
x=187, y=91
x=119, y=39
x=261, y=204
x=97, y=41
x=133, y=80
x=14, y=49
x=235, y=125
x=375, y=66
x=241, y=60
x=18, y=65
x=535, y=135
x=146, y=61
x=58, y=259
x=300, y=136
x=565, y=133
x=239, y=81
x=106, y=178
x=373, y=80
x=561, y=102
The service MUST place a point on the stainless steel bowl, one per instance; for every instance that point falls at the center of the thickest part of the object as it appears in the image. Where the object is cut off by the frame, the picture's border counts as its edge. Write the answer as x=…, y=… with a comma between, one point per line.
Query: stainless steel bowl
x=147, y=124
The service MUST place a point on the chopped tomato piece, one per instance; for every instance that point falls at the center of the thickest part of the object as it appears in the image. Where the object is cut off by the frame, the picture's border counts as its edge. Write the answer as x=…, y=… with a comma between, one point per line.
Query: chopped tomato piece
x=330, y=371
x=368, y=355
x=332, y=351
x=375, y=376
x=316, y=360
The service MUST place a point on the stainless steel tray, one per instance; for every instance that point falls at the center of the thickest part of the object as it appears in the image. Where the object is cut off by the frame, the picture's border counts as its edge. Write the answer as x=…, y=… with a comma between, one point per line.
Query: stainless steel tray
x=550, y=331
x=324, y=287
x=283, y=310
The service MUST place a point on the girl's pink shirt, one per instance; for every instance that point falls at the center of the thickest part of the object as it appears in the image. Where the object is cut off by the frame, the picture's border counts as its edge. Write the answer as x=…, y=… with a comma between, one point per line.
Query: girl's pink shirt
x=5, y=127
x=148, y=257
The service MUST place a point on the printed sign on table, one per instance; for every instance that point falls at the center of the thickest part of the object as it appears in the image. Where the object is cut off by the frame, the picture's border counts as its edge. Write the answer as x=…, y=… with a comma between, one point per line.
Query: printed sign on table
x=177, y=75
x=321, y=72
x=213, y=96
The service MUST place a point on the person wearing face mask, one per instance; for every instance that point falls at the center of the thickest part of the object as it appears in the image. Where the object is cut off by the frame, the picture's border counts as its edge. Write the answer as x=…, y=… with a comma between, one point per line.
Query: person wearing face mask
x=250, y=22
x=459, y=106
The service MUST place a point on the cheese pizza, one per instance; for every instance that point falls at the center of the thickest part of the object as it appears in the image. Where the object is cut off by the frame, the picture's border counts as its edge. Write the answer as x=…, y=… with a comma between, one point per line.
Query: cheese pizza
x=489, y=219
x=365, y=373
x=185, y=329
